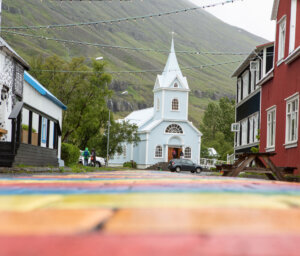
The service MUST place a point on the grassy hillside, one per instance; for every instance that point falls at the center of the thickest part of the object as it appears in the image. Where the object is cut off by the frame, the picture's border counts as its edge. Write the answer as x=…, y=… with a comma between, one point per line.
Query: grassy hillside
x=197, y=30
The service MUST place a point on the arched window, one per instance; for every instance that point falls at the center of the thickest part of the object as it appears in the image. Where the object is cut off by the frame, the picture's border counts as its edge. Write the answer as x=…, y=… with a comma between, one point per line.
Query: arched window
x=157, y=104
x=188, y=152
x=174, y=128
x=175, y=104
x=158, y=151
x=175, y=85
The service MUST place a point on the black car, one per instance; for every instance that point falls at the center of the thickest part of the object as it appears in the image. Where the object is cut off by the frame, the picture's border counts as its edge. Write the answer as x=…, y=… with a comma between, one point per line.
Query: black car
x=184, y=165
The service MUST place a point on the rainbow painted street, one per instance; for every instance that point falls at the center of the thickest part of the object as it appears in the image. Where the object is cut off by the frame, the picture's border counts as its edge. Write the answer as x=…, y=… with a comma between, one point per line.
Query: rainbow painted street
x=141, y=213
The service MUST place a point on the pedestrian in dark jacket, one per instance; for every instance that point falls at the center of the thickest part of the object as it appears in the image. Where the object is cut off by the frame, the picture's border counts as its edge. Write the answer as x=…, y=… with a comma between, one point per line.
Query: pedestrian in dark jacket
x=181, y=155
x=174, y=154
x=93, y=157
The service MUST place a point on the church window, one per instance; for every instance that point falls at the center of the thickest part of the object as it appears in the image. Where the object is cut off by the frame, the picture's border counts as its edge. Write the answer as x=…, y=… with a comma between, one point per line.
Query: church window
x=174, y=128
x=157, y=104
x=158, y=151
x=175, y=85
x=188, y=153
x=175, y=104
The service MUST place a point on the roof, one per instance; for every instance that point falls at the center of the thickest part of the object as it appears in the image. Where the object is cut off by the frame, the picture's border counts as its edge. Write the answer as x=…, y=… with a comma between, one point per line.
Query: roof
x=140, y=117
x=275, y=10
x=172, y=71
x=42, y=90
x=6, y=47
x=252, y=55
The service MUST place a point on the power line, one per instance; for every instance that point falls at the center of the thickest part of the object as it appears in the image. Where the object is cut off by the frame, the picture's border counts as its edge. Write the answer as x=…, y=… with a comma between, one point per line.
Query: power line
x=120, y=19
x=133, y=71
x=121, y=47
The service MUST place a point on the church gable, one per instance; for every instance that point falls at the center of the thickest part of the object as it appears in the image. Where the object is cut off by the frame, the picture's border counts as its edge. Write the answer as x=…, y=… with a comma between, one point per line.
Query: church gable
x=176, y=84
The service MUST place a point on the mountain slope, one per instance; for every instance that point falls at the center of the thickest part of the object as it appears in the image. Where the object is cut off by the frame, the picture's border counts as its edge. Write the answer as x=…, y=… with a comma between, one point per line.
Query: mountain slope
x=197, y=30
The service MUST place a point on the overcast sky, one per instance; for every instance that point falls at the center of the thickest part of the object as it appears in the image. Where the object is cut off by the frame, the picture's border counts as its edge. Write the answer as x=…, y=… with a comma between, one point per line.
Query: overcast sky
x=251, y=15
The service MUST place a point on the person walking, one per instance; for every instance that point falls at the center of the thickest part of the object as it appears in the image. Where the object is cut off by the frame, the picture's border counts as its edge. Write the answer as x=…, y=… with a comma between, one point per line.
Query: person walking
x=174, y=154
x=86, y=154
x=93, y=157
x=181, y=155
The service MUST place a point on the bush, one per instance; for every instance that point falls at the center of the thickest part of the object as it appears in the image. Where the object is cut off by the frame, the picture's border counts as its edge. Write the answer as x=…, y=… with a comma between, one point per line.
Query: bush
x=130, y=164
x=25, y=127
x=69, y=153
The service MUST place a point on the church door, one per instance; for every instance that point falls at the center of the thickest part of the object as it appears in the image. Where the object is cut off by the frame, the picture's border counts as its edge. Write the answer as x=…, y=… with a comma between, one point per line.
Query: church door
x=170, y=155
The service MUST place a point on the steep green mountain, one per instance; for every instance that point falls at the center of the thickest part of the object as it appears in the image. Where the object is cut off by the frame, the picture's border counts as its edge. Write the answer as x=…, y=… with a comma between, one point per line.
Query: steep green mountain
x=197, y=30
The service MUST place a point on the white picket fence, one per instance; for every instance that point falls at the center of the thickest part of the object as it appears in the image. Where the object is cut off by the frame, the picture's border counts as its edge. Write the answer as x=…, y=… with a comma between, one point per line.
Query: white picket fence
x=210, y=163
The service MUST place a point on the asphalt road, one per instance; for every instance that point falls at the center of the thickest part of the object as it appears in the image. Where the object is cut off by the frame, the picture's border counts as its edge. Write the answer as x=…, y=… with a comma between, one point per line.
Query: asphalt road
x=141, y=213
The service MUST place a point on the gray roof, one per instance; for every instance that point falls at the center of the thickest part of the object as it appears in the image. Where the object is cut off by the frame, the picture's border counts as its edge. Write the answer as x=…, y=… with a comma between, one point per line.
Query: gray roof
x=8, y=49
x=252, y=55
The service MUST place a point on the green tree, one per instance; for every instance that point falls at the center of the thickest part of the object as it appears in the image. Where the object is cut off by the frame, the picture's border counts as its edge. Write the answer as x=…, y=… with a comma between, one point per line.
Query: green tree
x=216, y=126
x=85, y=94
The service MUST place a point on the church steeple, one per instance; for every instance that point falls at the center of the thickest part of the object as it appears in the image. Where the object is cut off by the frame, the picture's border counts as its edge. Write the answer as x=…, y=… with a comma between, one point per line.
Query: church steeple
x=171, y=72
x=172, y=65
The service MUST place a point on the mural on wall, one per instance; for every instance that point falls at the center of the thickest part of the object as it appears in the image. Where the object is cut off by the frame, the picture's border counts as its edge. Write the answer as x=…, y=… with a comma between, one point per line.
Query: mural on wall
x=11, y=88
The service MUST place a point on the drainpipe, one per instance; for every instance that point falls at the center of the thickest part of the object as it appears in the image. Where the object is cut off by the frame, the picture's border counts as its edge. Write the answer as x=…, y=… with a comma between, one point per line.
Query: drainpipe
x=0, y=14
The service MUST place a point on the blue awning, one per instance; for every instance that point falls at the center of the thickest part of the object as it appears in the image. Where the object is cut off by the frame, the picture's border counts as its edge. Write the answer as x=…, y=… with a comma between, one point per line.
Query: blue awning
x=42, y=90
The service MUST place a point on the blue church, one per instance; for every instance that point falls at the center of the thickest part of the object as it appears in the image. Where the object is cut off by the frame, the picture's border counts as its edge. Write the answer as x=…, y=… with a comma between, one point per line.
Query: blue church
x=164, y=128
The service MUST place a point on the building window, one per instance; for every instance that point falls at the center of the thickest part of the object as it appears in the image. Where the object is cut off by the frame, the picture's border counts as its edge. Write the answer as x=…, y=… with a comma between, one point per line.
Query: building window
x=44, y=130
x=293, y=25
x=245, y=78
x=157, y=104
x=124, y=151
x=292, y=109
x=158, y=151
x=271, y=127
x=175, y=104
x=281, y=43
x=244, y=131
x=239, y=92
x=174, y=128
x=188, y=153
x=175, y=85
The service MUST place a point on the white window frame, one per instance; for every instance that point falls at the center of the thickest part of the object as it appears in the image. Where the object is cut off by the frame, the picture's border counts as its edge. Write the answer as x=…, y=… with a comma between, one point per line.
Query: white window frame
x=293, y=22
x=174, y=127
x=271, y=128
x=281, y=38
x=174, y=105
x=160, y=155
x=245, y=78
x=244, y=131
x=188, y=155
x=239, y=98
x=157, y=104
x=292, y=115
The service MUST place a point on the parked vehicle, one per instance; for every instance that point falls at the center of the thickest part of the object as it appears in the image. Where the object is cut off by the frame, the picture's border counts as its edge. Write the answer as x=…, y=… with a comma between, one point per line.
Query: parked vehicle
x=100, y=161
x=179, y=165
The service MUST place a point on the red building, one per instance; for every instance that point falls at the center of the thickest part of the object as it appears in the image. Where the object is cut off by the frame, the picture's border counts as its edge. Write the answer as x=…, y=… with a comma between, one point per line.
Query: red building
x=280, y=90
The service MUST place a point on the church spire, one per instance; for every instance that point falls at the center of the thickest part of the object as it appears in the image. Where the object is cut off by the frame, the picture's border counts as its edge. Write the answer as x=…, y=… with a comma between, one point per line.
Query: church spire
x=171, y=72
x=172, y=65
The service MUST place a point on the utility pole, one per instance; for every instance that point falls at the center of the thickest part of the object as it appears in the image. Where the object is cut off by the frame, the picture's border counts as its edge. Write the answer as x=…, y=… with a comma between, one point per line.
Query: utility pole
x=0, y=13
x=107, y=147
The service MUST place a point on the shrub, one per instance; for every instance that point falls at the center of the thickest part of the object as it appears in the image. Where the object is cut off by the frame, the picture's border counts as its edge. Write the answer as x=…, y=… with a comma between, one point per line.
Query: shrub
x=130, y=164
x=69, y=153
x=25, y=127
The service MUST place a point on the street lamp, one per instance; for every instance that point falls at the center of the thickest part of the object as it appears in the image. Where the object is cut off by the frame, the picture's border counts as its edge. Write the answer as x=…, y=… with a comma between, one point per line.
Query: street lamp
x=108, y=129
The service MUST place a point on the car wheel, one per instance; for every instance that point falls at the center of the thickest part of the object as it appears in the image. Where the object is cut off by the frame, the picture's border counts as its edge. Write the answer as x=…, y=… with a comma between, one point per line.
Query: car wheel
x=198, y=170
x=97, y=164
x=178, y=169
